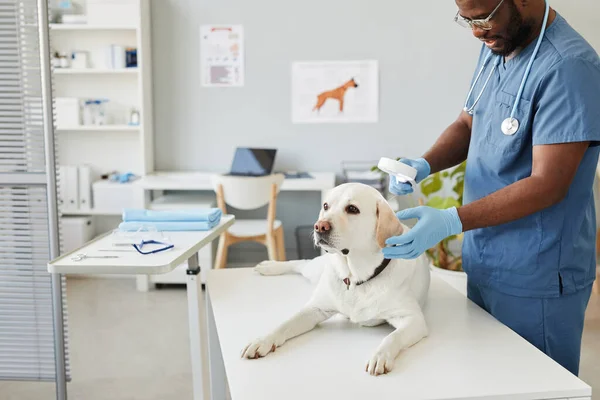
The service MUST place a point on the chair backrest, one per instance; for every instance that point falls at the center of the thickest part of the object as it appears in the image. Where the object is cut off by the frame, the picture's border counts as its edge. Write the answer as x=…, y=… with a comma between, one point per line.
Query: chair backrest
x=247, y=192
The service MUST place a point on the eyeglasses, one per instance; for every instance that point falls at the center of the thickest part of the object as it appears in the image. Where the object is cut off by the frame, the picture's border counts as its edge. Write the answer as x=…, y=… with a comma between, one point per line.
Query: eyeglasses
x=477, y=23
x=139, y=247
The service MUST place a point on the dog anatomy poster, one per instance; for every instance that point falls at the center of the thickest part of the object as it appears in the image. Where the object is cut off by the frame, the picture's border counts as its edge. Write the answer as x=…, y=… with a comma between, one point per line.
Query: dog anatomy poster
x=335, y=91
x=222, y=55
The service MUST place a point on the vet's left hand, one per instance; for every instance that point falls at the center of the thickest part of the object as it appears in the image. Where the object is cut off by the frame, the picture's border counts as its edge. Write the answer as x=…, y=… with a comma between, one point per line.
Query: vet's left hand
x=433, y=226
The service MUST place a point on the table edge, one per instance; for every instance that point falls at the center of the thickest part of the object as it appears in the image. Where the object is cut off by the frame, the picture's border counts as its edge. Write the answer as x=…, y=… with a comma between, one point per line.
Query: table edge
x=158, y=269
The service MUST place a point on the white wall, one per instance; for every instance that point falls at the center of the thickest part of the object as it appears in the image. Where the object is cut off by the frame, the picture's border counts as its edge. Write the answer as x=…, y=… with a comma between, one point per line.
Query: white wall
x=426, y=62
x=423, y=74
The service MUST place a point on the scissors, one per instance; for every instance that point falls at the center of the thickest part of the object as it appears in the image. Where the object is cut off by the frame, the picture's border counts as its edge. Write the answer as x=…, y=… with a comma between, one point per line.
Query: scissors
x=81, y=257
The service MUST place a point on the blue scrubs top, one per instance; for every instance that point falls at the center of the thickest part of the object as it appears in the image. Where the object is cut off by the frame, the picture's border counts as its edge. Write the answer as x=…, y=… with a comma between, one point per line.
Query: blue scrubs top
x=552, y=251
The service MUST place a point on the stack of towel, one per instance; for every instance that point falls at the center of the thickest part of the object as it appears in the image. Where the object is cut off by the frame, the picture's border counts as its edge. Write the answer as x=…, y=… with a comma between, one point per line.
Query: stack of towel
x=202, y=219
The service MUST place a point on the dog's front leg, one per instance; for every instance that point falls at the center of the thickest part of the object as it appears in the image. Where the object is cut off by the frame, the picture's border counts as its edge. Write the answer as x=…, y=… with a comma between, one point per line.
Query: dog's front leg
x=410, y=329
x=302, y=322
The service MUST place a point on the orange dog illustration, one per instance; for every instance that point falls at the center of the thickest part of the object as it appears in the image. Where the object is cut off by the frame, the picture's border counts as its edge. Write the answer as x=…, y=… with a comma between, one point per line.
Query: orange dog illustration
x=335, y=94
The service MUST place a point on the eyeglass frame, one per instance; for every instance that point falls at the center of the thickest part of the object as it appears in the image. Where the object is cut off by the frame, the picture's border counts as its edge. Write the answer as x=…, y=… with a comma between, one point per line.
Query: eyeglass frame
x=144, y=242
x=478, y=22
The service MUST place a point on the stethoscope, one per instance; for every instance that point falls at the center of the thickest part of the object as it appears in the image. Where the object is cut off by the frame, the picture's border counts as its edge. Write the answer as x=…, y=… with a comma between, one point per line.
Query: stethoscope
x=510, y=125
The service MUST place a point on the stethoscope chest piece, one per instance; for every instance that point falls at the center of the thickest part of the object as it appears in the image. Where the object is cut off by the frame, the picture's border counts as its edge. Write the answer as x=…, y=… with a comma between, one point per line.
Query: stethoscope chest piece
x=510, y=126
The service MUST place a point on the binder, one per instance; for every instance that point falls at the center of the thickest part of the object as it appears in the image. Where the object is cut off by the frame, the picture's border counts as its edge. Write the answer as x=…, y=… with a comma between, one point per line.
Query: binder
x=62, y=187
x=72, y=193
x=85, y=187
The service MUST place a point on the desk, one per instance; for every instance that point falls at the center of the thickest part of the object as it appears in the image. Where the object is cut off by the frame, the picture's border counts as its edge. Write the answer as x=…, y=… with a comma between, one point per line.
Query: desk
x=468, y=354
x=187, y=245
x=321, y=182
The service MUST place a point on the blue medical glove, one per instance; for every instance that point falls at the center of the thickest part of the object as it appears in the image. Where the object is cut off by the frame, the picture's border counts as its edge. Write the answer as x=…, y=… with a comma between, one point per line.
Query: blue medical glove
x=423, y=171
x=433, y=226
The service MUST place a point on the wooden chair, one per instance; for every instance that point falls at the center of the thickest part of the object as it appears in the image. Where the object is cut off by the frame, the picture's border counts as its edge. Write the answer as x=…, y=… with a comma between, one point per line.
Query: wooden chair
x=249, y=193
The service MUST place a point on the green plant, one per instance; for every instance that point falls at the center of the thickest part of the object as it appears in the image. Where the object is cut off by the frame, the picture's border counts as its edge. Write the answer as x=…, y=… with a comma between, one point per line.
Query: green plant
x=441, y=256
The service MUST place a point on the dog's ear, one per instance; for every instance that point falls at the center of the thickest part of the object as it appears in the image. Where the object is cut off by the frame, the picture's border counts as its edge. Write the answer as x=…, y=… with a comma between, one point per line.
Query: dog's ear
x=388, y=224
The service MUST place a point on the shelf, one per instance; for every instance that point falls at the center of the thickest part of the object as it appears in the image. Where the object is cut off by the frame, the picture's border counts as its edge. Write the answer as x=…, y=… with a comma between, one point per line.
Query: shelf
x=86, y=27
x=90, y=212
x=95, y=71
x=117, y=145
x=99, y=128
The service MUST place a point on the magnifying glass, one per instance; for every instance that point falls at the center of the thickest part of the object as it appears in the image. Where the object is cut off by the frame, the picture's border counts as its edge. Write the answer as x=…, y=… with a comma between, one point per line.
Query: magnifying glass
x=403, y=173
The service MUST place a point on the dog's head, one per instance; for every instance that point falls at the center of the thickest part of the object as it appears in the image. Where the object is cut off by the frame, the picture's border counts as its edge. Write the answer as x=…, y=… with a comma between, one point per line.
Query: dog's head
x=355, y=218
x=351, y=84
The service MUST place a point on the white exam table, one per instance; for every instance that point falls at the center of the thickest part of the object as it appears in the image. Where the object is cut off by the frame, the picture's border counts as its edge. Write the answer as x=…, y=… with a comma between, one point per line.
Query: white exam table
x=468, y=354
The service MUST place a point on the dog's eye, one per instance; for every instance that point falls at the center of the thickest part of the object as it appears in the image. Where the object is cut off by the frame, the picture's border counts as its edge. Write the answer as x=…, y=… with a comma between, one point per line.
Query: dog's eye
x=325, y=206
x=352, y=209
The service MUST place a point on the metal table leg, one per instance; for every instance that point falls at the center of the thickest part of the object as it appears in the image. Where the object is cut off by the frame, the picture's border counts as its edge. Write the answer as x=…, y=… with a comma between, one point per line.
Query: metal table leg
x=59, y=338
x=218, y=380
x=197, y=323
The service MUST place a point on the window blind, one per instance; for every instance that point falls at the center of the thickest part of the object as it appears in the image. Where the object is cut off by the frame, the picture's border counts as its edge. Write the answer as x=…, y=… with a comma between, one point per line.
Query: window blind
x=27, y=331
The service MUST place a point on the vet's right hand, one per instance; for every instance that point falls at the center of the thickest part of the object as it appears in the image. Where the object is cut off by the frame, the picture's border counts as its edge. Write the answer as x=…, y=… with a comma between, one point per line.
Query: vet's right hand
x=402, y=188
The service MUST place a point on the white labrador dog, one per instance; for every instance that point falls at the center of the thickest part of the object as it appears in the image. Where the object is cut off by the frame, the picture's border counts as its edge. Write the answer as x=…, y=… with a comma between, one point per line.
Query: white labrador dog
x=353, y=279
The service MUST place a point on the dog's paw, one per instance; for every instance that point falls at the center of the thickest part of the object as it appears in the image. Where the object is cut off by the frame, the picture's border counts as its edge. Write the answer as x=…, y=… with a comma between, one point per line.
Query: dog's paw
x=259, y=348
x=381, y=363
x=269, y=268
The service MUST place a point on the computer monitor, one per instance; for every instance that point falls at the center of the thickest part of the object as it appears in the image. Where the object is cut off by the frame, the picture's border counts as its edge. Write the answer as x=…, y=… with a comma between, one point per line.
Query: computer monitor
x=253, y=161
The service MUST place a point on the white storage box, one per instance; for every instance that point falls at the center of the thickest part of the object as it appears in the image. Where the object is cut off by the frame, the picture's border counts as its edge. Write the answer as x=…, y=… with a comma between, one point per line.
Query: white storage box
x=73, y=19
x=114, y=197
x=67, y=111
x=113, y=12
x=183, y=201
x=75, y=232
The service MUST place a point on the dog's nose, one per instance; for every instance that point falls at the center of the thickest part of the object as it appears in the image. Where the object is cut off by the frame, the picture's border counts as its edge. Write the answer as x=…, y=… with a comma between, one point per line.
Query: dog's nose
x=322, y=227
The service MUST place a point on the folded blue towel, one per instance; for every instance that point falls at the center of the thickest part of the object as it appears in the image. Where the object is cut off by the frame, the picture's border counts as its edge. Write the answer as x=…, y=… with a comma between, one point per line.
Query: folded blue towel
x=179, y=226
x=212, y=215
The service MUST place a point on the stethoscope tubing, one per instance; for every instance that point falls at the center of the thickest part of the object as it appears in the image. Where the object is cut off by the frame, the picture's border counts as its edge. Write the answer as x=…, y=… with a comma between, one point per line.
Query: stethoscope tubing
x=496, y=63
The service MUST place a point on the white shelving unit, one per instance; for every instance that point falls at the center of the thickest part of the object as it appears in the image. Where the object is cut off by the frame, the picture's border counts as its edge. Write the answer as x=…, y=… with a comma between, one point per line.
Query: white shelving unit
x=116, y=145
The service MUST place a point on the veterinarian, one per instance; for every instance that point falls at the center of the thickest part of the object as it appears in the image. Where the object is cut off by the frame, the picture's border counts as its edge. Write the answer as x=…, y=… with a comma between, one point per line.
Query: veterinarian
x=530, y=142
